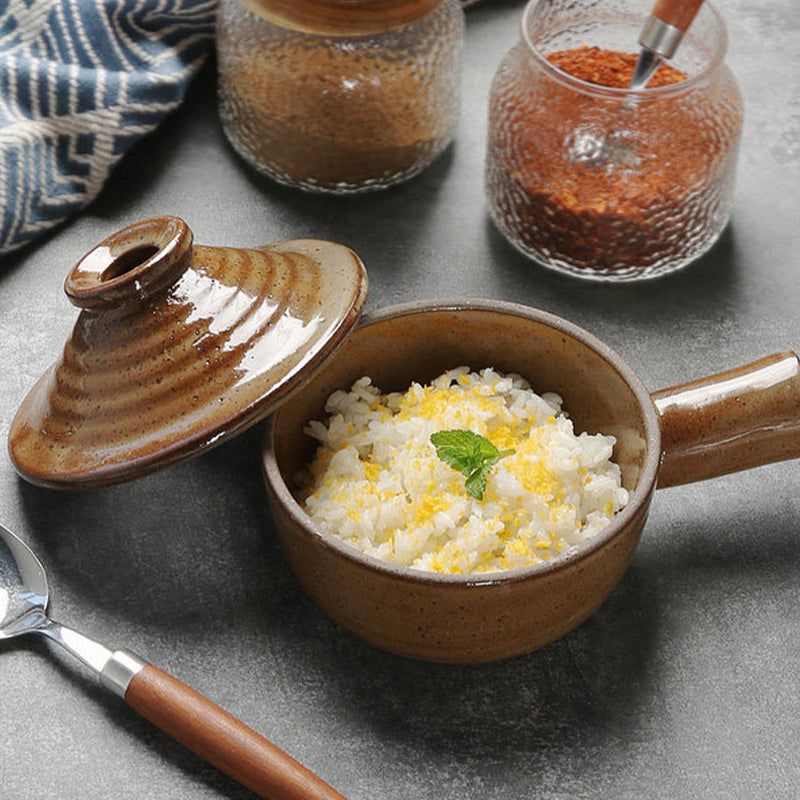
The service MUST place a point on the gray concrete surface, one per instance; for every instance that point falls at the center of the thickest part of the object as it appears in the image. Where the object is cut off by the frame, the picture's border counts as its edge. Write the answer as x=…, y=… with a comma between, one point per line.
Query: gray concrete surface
x=684, y=685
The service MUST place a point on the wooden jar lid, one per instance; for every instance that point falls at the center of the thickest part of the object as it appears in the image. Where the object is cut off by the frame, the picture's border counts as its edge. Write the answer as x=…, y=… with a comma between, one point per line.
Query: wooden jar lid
x=342, y=17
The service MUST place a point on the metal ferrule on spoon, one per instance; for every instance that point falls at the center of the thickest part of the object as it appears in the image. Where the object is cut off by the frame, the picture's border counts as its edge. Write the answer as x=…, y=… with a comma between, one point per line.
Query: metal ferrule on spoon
x=178, y=710
x=660, y=36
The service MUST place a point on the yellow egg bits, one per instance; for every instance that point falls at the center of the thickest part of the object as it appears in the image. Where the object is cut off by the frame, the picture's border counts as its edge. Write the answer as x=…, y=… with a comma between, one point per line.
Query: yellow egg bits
x=378, y=483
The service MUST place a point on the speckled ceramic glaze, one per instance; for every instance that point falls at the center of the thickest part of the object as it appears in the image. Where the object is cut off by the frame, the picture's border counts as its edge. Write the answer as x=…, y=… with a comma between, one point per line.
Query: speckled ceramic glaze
x=452, y=618
x=178, y=347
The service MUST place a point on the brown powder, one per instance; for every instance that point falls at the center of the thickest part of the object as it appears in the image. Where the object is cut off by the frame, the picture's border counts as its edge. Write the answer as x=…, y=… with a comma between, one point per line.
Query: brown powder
x=322, y=113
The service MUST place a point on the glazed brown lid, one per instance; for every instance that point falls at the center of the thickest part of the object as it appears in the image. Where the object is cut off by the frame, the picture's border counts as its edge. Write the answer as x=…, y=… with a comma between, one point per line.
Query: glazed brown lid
x=342, y=17
x=179, y=347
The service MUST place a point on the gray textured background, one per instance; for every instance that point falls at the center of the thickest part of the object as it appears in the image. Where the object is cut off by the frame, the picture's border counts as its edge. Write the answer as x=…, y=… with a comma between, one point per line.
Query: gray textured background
x=684, y=685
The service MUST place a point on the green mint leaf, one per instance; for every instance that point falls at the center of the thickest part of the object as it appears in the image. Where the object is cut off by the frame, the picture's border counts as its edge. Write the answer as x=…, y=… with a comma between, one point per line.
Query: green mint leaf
x=471, y=454
x=461, y=450
x=476, y=483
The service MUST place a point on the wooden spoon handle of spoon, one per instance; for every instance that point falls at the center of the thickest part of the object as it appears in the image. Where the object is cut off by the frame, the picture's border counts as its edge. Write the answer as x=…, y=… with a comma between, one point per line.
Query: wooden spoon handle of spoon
x=678, y=13
x=224, y=741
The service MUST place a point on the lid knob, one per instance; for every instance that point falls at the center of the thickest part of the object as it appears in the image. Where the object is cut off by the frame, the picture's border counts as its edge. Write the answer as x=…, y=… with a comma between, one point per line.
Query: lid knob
x=131, y=265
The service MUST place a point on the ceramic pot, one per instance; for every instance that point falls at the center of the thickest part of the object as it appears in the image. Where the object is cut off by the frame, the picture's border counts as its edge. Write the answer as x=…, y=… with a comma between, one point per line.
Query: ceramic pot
x=728, y=422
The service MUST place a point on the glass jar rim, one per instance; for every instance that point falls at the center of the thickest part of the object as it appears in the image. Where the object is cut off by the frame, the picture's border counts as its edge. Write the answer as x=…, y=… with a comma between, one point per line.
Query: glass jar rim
x=648, y=92
x=342, y=17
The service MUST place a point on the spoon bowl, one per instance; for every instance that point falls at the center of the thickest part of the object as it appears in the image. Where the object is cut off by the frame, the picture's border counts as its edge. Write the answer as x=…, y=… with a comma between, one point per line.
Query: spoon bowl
x=23, y=586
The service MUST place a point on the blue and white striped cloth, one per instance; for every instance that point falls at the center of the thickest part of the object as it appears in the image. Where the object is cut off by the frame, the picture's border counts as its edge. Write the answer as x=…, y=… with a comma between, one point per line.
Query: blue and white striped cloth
x=80, y=82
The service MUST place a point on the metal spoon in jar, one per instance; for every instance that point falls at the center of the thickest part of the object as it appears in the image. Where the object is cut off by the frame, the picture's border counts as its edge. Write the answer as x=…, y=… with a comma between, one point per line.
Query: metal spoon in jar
x=661, y=35
x=659, y=39
x=179, y=711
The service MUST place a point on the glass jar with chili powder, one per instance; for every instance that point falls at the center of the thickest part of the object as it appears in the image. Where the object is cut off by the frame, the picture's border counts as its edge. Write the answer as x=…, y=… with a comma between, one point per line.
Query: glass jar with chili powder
x=587, y=177
x=339, y=95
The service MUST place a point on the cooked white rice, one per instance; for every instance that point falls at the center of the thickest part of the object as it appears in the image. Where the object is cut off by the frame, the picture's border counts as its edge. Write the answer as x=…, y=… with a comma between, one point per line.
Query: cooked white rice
x=377, y=482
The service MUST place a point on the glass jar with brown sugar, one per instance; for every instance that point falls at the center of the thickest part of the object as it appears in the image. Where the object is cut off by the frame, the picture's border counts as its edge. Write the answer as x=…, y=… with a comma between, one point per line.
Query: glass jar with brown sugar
x=339, y=95
x=588, y=177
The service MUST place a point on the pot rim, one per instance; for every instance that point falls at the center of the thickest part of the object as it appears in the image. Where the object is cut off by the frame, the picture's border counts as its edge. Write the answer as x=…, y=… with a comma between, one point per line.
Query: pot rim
x=639, y=498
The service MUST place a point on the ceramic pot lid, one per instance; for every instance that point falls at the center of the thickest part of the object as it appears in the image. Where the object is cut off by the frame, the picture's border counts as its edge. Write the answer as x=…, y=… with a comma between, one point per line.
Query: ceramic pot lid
x=177, y=348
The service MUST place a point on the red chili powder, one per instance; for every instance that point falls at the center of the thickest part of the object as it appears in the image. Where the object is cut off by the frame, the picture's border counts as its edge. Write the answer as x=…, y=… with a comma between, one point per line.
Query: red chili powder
x=646, y=193
x=608, y=67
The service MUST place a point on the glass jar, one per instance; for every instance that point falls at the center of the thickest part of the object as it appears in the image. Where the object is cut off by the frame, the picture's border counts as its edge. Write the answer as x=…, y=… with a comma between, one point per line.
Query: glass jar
x=339, y=95
x=609, y=183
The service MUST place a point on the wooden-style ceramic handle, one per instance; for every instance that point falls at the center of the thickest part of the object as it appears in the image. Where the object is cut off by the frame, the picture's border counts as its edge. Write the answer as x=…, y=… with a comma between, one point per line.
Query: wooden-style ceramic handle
x=221, y=739
x=678, y=13
x=731, y=421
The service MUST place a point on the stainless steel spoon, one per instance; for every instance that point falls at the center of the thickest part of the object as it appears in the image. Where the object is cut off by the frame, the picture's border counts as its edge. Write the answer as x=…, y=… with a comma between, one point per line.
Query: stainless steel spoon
x=182, y=713
x=659, y=38
x=661, y=35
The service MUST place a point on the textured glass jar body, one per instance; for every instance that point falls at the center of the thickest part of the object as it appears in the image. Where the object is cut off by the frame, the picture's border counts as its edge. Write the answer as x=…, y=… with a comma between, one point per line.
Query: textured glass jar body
x=606, y=183
x=340, y=108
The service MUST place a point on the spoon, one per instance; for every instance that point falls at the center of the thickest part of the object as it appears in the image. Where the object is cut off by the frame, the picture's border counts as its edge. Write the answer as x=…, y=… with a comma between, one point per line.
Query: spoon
x=660, y=36
x=206, y=729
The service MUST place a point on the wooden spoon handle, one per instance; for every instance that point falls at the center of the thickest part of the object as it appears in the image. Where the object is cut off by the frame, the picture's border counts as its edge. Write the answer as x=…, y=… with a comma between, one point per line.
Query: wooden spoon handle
x=678, y=13
x=731, y=421
x=221, y=739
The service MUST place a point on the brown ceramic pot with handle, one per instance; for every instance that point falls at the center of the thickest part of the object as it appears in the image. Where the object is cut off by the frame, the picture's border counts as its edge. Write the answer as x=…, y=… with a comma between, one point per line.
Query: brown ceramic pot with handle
x=720, y=424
